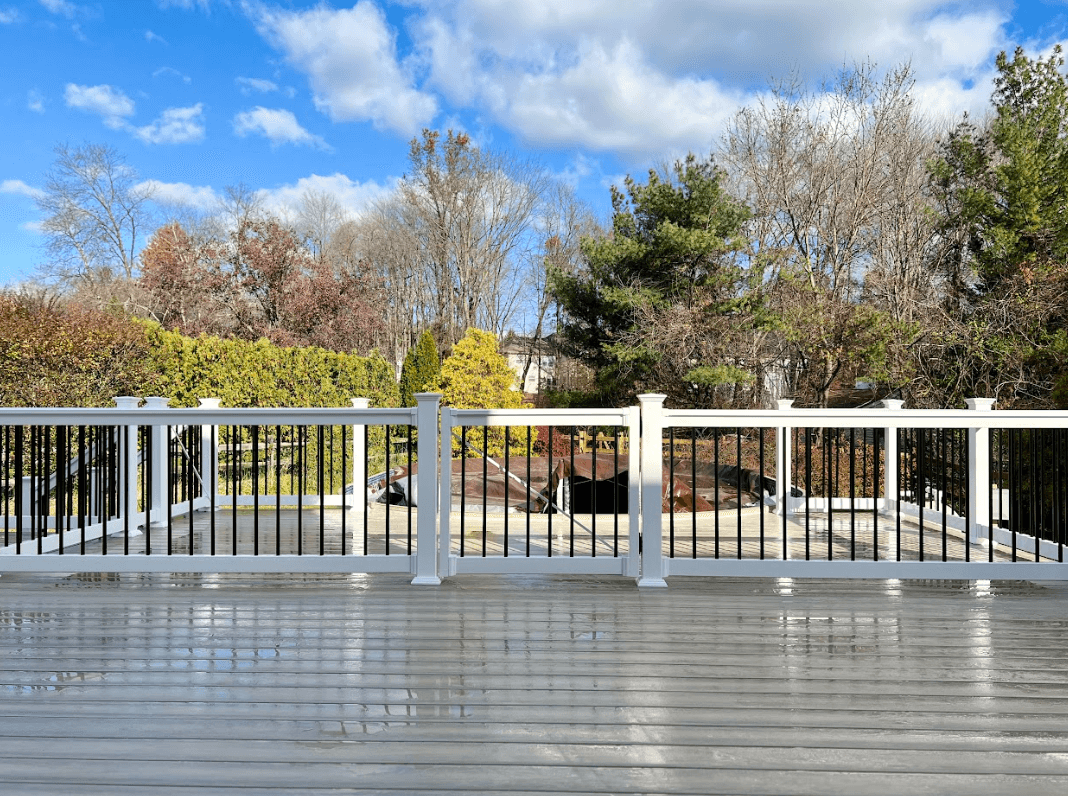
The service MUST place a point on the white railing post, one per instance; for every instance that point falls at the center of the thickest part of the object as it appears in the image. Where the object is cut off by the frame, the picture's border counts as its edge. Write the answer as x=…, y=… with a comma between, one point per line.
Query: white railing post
x=426, y=552
x=890, y=460
x=783, y=475
x=129, y=452
x=445, y=499
x=158, y=465
x=979, y=472
x=359, y=471
x=634, y=468
x=652, y=491
x=209, y=454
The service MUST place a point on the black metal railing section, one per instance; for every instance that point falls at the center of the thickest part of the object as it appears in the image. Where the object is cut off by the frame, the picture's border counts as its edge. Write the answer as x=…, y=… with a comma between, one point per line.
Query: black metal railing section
x=216, y=490
x=550, y=491
x=57, y=482
x=1029, y=490
x=720, y=489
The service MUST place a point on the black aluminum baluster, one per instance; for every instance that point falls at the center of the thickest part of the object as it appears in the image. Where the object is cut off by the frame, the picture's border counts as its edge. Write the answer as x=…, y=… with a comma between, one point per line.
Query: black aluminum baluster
x=213, y=483
x=386, y=486
x=738, y=476
x=671, y=493
x=875, y=494
x=278, y=490
x=345, y=475
x=463, y=490
x=146, y=482
x=549, y=491
x=507, y=487
x=593, y=496
x=808, y=493
x=852, y=495
x=1014, y=488
x=191, y=480
x=899, y=433
x=760, y=487
x=945, y=492
x=571, y=496
x=411, y=483
x=715, y=487
x=829, y=486
x=321, y=439
x=693, y=488
x=17, y=481
x=363, y=485
x=783, y=448
x=255, y=490
x=169, y=475
x=530, y=448
x=485, y=487
x=615, y=492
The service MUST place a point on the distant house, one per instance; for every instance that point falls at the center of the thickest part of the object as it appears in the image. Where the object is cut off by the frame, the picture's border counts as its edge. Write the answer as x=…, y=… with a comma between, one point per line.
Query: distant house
x=542, y=371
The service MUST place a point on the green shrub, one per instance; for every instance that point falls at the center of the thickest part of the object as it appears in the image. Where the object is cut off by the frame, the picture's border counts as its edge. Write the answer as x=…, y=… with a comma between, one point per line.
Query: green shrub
x=421, y=369
x=477, y=376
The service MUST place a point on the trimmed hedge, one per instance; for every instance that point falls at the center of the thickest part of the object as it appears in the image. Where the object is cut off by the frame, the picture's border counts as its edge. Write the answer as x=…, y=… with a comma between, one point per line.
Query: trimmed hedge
x=261, y=374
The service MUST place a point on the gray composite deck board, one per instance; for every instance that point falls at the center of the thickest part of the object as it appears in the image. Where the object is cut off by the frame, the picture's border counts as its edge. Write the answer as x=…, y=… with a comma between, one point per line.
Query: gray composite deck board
x=526, y=684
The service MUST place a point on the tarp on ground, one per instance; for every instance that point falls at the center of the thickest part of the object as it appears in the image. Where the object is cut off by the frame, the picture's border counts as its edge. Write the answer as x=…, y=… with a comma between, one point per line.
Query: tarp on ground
x=580, y=485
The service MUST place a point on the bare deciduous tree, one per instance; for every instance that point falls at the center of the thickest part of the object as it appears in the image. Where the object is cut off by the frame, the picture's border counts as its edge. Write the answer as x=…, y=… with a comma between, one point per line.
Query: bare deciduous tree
x=95, y=214
x=452, y=243
x=836, y=181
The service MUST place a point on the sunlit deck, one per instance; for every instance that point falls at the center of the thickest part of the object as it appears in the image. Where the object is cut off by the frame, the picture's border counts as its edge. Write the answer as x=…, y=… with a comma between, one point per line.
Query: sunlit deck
x=325, y=684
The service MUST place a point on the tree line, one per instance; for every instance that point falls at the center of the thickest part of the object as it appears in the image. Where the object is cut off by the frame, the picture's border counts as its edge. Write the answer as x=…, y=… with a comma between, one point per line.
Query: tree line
x=833, y=234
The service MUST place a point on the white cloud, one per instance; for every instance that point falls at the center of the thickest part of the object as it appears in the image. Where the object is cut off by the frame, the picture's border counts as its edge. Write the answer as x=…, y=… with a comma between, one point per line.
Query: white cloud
x=170, y=71
x=104, y=100
x=181, y=194
x=255, y=84
x=187, y=5
x=965, y=42
x=8, y=15
x=174, y=126
x=277, y=125
x=36, y=227
x=646, y=75
x=356, y=197
x=19, y=187
x=614, y=100
x=350, y=58
x=60, y=8
x=152, y=36
x=35, y=101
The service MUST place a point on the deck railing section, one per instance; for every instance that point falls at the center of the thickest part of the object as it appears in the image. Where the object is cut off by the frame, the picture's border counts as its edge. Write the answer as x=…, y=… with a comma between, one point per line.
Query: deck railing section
x=643, y=491
x=540, y=490
x=880, y=492
x=152, y=488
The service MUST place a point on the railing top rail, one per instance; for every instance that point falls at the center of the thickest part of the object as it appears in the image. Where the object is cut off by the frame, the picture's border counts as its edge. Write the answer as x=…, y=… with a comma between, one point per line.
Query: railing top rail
x=866, y=418
x=534, y=417
x=75, y=416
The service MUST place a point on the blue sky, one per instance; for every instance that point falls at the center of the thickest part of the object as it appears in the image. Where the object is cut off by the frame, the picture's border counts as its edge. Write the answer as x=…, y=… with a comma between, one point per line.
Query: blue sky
x=285, y=96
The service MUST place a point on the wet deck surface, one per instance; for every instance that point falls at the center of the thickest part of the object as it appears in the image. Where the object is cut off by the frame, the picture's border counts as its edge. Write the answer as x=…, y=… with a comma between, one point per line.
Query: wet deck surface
x=284, y=685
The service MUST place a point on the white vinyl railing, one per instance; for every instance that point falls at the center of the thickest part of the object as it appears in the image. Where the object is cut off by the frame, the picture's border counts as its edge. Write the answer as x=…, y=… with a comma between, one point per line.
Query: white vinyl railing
x=643, y=492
